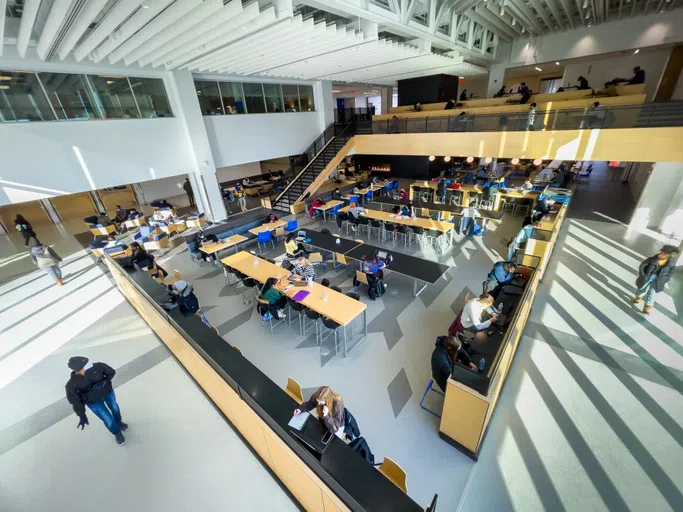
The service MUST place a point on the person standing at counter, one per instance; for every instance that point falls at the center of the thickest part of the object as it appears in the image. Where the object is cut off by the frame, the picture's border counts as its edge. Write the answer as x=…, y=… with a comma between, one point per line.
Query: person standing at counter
x=502, y=273
x=521, y=238
x=653, y=274
x=472, y=318
x=90, y=385
x=448, y=350
x=441, y=190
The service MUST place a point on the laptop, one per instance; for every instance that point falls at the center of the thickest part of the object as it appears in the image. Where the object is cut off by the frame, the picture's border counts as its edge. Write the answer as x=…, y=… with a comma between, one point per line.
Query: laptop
x=382, y=255
x=300, y=236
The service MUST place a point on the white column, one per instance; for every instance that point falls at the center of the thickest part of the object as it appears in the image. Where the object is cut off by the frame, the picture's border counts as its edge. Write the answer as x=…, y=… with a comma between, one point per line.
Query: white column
x=660, y=205
x=497, y=70
x=324, y=103
x=207, y=192
x=387, y=99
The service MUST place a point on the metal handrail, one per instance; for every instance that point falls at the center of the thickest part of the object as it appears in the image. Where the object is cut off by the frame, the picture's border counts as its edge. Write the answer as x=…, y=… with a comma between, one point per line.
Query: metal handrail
x=623, y=116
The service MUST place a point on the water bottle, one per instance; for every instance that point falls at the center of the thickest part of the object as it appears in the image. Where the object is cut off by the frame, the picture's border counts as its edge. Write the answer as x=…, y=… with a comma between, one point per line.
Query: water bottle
x=310, y=282
x=324, y=297
x=482, y=362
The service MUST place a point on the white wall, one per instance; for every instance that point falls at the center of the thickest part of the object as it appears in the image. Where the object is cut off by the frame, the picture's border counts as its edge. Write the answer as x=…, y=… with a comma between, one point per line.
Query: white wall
x=234, y=172
x=638, y=177
x=600, y=70
x=164, y=188
x=678, y=91
x=248, y=138
x=39, y=159
x=631, y=33
x=660, y=206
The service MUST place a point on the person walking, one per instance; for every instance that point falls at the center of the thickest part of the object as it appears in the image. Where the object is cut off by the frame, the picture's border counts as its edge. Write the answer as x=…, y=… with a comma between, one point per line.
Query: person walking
x=47, y=259
x=653, y=274
x=90, y=386
x=24, y=227
x=468, y=218
x=187, y=187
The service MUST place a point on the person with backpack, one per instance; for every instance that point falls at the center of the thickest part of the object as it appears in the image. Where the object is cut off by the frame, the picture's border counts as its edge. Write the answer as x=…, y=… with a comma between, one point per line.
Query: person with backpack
x=90, y=385
x=24, y=227
x=372, y=266
x=47, y=259
x=653, y=274
x=183, y=295
x=448, y=350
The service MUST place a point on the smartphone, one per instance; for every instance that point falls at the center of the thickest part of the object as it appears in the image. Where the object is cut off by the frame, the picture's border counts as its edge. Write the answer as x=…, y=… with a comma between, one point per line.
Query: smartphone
x=326, y=438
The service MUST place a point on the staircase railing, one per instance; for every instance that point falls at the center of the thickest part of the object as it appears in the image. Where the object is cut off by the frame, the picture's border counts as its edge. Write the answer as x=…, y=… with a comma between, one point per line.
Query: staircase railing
x=318, y=154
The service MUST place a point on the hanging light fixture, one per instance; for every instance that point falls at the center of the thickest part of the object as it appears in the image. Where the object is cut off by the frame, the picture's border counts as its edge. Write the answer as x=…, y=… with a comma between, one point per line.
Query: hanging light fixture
x=514, y=161
x=447, y=159
x=470, y=159
x=538, y=161
x=488, y=159
x=432, y=158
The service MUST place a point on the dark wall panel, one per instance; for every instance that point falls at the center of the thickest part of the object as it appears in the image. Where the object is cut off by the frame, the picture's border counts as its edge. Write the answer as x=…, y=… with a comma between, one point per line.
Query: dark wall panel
x=408, y=167
x=427, y=89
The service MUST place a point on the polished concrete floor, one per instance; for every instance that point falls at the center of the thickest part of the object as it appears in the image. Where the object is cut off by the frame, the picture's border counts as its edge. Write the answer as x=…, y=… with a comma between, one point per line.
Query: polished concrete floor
x=590, y=419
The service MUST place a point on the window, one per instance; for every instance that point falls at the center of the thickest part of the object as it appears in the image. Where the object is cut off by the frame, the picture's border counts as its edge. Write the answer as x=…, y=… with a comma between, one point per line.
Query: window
x=291, y=97
x=253, y=94
x=115, y=97
x=22, y=98
x=550, y=84
x=233, y=97
x=306, y=98
x=273, y=95
x=151, y=97
x=209, y=98
x=69, y=95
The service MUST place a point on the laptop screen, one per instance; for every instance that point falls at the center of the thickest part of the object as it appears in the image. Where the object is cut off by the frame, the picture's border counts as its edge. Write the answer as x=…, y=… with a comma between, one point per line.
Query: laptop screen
x=382, y=255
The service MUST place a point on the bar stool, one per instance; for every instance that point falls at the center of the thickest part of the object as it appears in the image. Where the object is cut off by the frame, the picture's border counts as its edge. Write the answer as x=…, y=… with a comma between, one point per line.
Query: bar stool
x=375, y=224
x=522, y=209
x=508, y=206
x=331, y=328
x=298, y=308
x=314, y=316
x=389, y=229
x=419, y=233
x=401, y=229
x=486, y=204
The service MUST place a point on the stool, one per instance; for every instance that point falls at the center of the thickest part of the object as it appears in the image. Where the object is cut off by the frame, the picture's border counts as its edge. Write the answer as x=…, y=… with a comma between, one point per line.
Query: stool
x=508, y=206
x=522, y=209
x=430, y=386
x=331, y=327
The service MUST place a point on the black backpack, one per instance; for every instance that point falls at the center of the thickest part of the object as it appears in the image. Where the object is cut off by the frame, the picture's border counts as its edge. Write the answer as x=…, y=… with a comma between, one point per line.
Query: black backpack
x=376, y=289
x=360, y=445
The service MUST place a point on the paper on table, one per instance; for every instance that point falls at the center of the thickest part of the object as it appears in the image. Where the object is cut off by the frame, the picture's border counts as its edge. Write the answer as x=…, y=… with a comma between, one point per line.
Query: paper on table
x=298, y=421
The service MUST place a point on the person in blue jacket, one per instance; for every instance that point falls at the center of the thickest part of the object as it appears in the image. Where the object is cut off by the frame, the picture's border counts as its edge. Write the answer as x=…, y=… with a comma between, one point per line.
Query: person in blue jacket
x=521, y=238
x=503, y=272
x=448, y=350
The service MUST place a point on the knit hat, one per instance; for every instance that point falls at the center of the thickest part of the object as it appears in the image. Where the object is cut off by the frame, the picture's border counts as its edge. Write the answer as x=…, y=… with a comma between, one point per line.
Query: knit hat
x=77, y=363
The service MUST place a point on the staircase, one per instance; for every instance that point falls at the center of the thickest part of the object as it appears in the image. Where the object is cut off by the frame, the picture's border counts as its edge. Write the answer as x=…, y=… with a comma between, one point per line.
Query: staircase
x=308, y=166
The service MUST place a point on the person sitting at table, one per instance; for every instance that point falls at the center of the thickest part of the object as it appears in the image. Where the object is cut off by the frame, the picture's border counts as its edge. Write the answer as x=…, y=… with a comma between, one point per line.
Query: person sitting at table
x=449, y=105
x=329, y=407
x=544, y=205
x=583, y=84
x=121, y=214
x=354, y=214
x=202, y=240
x=372, y=267
x=403, y=194
x=472, y=317
x=271, y=217
x=303, y=269
x=521, y=238
x=448, y=350
x=315, y=204
x=376, y=181
x=183, y=295
x=246, y=182
x=165, y=204
x=502, y=273
x=336, y=195
x=546, y=174
x=463, y=95
x=103, y=220
x=396, y=210
x=133, y=214
x=276, y=301
x=532, y=218
x=142, y=259
x=293, y=248
x=468, y=215
x=527, y=185
x=407, y=210
x=500, y=93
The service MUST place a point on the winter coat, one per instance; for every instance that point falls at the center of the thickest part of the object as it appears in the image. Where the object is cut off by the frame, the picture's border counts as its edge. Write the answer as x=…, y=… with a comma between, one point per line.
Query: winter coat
x=44, y=256
x=663, y=274
x=442, y=364
x=89, y=388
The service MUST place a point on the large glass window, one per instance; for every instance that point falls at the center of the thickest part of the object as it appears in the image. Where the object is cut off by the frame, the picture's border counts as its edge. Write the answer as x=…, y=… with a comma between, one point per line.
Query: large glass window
x=273, y=94
x=209, y=98
x=291, y=96
x=253, y=93
x=115, y=97
x=233, y=97
x=69, y=95
x=306, y=98
x=22, y=98
x=151, y=97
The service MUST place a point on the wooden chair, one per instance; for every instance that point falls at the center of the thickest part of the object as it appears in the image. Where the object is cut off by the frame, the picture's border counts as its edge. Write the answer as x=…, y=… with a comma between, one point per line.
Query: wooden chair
x=176, y=274
x=267, y=188
x=294, y=390
x=316, y=257
x=362, y=277
x=279, y=232
x=394, y=473
x=215, y=329
x=238, y=349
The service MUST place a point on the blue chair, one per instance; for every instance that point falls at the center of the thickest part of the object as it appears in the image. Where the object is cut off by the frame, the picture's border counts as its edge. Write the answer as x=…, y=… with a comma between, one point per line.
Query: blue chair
x=335, y=211
x=292, y=225
x=430, y=386
x=263, y=238
x=353, y=199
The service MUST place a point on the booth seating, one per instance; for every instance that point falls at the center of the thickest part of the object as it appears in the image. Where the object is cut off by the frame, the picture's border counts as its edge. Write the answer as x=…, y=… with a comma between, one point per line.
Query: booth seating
x=135, y=222
x=152, y=239
x=196, y=221
x=98, y=229
x=98, y=248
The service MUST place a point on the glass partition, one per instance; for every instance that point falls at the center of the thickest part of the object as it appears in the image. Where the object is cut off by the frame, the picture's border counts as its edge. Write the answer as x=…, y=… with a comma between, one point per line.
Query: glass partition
x=209, y=98
x=306, y=98
x=151, y=97
x=70, y=96
x=273, y=95
x=290, y=94
x=233, y=97
x=22, y=98
x=115, y=97
x=254, y=96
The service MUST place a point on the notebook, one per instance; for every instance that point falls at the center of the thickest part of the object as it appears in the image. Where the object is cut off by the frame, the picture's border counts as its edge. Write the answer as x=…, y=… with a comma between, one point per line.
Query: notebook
x=300, y=295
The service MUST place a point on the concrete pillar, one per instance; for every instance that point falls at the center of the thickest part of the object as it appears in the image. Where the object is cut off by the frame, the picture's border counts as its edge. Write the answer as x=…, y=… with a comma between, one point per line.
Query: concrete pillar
x=324, y=103
x=207, y=192
x=387, y=99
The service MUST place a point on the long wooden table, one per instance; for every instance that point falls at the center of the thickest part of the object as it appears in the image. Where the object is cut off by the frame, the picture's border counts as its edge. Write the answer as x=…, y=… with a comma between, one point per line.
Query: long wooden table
x=269, y=226
x=514, y=194
x=321, y=299
x=226, y=243
x=328, y=205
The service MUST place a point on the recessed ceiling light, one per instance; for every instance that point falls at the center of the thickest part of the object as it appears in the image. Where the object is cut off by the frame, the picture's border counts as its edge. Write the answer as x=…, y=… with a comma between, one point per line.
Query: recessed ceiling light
x=636, y=51
x=537, y=68
x=5, y=78
x=336, y=90
x=557, y=63
x=110, y=81
x=144, y=5
x=4, y=87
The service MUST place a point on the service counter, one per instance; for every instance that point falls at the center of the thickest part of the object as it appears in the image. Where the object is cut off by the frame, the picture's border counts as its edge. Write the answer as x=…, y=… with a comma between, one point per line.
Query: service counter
x=338, y=479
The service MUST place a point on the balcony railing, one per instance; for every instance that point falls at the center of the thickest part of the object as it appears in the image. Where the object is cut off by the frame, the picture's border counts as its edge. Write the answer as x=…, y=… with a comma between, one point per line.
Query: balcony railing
x=647, y=115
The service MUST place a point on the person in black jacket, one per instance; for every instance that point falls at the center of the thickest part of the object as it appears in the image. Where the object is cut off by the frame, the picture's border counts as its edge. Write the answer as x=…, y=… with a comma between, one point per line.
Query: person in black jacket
x=441, y=190
x=140, y=257
x=90, y=385
x=24, y=227
x=653, y=275
x=448, y=350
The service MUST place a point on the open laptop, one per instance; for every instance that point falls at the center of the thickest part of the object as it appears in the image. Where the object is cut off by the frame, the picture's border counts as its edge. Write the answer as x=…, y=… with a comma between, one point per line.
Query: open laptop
x=300, y=236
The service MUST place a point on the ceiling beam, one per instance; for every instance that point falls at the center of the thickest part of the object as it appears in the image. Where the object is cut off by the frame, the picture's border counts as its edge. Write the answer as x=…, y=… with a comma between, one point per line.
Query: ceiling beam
x=484, y=17
x=555, y=11
x=28, y=18
x=568, y=12
x=541, y=12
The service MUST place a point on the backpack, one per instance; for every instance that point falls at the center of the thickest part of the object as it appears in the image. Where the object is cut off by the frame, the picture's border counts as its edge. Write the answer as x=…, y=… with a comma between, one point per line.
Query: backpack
x=376, y=289
x=360, y=446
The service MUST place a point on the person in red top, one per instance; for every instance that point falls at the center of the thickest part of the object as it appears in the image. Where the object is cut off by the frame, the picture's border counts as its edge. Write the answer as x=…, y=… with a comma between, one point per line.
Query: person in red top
x=316, y=202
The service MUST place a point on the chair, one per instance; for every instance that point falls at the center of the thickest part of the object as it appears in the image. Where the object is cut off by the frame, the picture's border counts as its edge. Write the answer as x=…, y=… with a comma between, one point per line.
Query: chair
x=248, y=284
x=263, y=238
x=331, y=327
x=340, y=260
x=435, y=237
x=363, y=221
x=266, y=305
x=375, y=224
x=430, y=387
x=335, y=211
x=402, y=230
x=294, y=390
x=486, y=204
x=279, y=233
x=292, y=225
x=508, y=206
x=176, y=274
x=455, y=199
x=353, y=295
x=298, y=308
x=316, y=257
x=394, y=473
x=336, y=288
x=419, y=233
x=314, y=316
x=522, y=209
x=238, y=350
x=362, y=277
